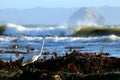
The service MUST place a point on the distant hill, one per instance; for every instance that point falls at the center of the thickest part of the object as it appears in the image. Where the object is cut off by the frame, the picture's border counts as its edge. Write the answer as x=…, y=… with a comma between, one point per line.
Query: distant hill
x=54, y=15
x=86, y=16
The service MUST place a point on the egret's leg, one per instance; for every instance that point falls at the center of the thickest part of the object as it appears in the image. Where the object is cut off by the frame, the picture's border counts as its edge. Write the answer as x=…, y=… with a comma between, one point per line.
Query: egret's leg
x=33, y=67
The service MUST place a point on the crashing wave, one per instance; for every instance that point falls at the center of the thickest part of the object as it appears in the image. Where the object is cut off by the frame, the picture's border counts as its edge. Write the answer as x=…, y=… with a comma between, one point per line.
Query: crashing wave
x=14, y=29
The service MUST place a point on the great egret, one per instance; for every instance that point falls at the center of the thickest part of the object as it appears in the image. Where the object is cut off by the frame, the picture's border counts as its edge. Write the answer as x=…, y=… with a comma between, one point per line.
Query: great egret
x=35, y=54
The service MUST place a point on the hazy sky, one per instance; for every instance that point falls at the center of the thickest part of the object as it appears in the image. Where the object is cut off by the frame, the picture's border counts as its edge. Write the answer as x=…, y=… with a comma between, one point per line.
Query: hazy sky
x=56, y=3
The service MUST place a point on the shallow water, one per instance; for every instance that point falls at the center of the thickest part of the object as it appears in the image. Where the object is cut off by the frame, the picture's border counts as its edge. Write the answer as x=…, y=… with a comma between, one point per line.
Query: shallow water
x=61, y=44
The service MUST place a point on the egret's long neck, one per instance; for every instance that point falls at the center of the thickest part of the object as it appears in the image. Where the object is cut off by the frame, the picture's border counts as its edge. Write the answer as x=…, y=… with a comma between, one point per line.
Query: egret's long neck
x=42, y=46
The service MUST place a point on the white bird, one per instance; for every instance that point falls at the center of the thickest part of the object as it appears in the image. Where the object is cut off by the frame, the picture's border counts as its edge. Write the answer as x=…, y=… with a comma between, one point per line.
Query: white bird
x=35, y=54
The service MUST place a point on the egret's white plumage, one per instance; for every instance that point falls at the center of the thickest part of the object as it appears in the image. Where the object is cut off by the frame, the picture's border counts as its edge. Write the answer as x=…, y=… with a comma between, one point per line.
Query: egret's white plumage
x=34, y=55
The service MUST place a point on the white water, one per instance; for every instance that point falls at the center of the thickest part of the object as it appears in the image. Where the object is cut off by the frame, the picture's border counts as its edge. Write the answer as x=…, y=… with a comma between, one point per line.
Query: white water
x=31, y=36
x=13, y=29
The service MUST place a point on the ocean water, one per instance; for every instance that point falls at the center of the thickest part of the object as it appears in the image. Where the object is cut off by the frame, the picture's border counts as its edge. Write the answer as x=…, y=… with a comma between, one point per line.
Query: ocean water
x=33, y=35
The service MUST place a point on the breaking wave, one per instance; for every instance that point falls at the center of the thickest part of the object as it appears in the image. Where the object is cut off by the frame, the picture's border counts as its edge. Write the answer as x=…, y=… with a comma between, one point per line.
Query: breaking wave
x=13, y=29
x=77, y=31
x=86, y=31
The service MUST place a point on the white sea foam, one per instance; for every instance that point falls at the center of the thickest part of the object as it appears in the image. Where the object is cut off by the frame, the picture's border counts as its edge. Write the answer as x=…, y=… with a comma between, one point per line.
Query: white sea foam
x=14, y=29
x=24, y=39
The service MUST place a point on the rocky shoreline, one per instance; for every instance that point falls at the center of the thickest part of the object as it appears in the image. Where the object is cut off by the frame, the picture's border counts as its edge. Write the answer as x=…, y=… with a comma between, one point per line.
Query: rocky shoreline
x=73, y=66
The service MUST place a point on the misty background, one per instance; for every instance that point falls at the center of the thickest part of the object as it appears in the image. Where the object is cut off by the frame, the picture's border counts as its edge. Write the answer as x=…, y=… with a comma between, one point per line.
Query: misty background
x=56, y=16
